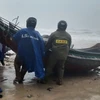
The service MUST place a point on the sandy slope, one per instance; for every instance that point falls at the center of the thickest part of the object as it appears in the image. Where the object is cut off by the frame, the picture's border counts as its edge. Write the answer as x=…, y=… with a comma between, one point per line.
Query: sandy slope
x=75, y=87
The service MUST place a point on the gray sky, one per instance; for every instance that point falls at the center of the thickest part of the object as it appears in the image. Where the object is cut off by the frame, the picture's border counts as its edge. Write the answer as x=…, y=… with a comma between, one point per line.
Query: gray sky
x=79, y=14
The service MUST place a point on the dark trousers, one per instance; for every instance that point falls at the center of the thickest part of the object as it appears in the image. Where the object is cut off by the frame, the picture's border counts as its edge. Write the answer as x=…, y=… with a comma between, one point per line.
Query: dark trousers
x=20, y=69
x=56, y=65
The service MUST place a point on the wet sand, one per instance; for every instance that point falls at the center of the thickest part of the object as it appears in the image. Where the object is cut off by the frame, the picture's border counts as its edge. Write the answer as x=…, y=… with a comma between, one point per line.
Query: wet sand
x=76, y=87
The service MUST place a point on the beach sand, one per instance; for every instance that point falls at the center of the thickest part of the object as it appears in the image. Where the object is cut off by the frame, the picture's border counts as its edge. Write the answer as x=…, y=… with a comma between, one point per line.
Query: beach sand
x=75, y=87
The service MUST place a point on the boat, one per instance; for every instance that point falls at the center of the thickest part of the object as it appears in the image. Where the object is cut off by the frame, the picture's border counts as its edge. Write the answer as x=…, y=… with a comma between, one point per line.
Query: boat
x=95, y=48
x=82, y=60
x=79, y=60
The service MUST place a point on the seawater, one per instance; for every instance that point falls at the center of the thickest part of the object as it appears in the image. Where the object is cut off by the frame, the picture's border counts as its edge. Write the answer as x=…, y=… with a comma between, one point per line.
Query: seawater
x=82, y=38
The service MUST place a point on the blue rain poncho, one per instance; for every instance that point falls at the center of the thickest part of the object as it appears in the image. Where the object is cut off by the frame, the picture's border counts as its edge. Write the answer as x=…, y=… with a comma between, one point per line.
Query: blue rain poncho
x=31, y=50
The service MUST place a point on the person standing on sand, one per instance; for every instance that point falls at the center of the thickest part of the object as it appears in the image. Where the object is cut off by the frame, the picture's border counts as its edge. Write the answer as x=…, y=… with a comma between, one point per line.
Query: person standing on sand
x=30, y=51
x=58, y=46
x=2, y=53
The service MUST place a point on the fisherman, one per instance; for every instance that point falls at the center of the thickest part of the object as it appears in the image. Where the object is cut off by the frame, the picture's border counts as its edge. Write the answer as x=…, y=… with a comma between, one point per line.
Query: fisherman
x=30, y=51
x=2, y=53
x=58, y=46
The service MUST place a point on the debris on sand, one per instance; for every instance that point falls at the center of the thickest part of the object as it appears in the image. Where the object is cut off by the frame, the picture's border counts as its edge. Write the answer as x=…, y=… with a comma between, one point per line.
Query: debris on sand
x=29, y=96
x=49, y=88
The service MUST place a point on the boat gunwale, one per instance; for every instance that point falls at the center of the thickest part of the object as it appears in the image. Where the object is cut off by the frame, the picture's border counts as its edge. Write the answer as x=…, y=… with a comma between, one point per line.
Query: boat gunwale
x=80, y=57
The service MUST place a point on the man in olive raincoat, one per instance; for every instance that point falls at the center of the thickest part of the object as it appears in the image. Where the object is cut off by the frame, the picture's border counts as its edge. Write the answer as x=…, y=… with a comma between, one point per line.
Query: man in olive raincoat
x=58, y=46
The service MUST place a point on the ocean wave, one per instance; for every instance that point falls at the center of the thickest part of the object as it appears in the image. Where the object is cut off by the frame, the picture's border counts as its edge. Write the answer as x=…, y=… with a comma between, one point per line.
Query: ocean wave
x=71, y=31
x=80, y=38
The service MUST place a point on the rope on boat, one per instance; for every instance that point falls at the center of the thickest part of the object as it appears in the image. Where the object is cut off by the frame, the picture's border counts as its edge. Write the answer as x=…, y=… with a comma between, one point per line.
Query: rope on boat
x=8, y=27
x=4, y=22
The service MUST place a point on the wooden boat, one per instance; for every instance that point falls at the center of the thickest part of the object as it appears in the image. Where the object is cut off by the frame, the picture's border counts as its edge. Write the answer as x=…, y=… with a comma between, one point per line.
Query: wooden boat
x=95, y=48
x=78, y=59
x=82, y=59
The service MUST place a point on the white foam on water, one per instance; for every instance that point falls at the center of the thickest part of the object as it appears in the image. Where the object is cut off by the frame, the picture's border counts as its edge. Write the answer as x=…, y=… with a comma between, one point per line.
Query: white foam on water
x=80, y=38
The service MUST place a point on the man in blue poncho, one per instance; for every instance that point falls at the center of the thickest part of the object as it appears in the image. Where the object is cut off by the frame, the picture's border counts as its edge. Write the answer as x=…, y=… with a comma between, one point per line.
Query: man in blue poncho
x=30, y=51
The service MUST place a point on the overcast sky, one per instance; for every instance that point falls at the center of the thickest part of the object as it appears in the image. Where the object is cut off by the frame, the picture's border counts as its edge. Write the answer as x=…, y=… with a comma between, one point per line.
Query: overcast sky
x=79, y=14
